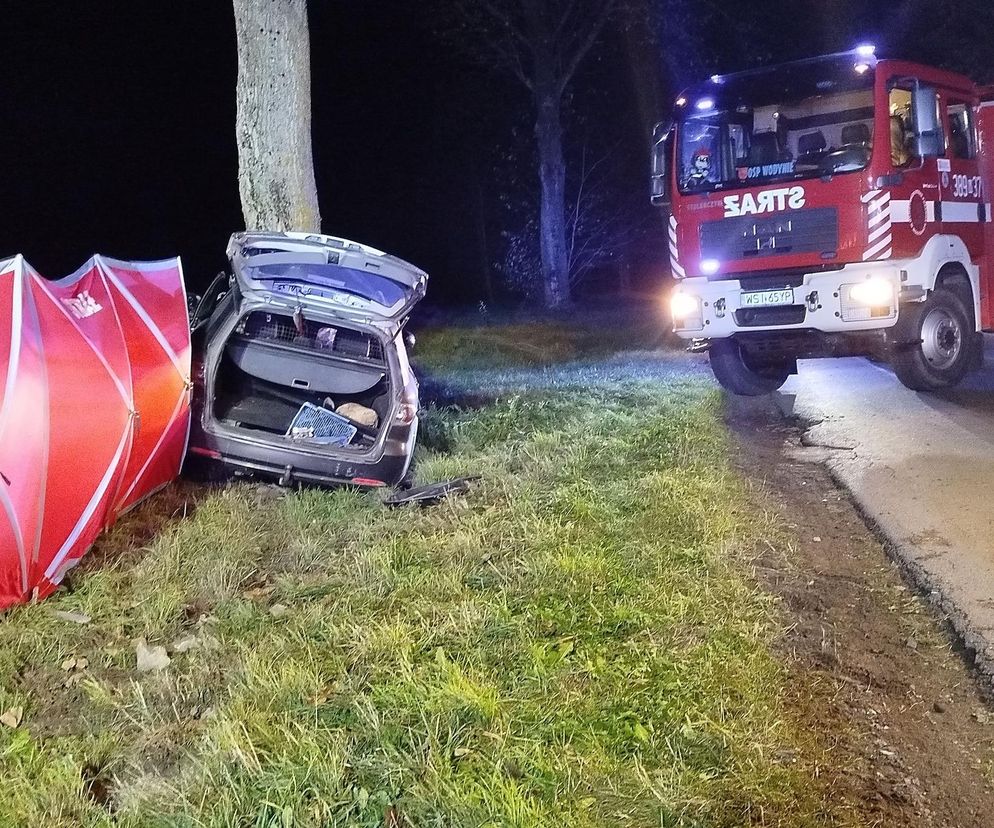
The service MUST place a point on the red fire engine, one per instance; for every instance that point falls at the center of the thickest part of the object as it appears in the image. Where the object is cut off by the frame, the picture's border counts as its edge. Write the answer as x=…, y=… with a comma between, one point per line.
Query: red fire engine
x=831, y=207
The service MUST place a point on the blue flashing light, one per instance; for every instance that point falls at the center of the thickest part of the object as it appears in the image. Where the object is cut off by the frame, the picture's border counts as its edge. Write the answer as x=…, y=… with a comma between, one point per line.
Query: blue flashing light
x=866, y=50
x=710, y=266
x=704, y=104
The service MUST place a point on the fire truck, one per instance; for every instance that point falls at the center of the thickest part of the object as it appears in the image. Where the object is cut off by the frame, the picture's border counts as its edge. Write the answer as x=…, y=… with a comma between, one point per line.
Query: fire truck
x=836, y=206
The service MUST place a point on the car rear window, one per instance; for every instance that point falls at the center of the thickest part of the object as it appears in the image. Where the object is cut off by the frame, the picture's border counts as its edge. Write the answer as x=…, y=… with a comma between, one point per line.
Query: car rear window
x=371, y=286
x=315, y=336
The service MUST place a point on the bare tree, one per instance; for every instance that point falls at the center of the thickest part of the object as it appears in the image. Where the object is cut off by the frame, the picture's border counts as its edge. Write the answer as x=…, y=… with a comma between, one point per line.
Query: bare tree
x=603, y=222
x=273, y=122
x=541, y=43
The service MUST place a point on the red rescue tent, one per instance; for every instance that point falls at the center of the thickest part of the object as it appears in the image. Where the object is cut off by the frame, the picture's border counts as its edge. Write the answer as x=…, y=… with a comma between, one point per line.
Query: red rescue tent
x=94, y=408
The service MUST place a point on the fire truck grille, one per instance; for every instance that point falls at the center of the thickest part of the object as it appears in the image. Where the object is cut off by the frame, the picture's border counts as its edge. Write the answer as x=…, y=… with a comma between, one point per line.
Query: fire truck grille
x=815, y=230
x=757, y=317
x=770, y=281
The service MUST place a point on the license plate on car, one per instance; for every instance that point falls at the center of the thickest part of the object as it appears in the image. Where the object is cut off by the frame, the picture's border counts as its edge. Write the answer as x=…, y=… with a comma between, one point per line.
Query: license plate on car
x=765, y=298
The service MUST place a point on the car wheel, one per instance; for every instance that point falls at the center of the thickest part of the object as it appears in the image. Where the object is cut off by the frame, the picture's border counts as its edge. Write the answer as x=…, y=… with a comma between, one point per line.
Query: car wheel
x=933, y=342
x=737, y=373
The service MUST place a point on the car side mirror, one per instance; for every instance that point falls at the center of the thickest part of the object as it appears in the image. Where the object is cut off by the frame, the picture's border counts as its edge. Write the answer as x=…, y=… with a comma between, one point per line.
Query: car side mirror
x=660, y=194
x=193, y=301
x=206, y=304
x=927, y=145
x=927, y=139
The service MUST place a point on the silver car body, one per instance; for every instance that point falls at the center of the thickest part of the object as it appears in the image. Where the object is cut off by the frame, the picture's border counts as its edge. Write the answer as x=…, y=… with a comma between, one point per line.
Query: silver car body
x=327, y=281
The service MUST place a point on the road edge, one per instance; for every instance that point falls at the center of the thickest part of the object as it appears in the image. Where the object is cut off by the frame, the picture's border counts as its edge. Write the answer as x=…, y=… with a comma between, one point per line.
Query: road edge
x=975, y=646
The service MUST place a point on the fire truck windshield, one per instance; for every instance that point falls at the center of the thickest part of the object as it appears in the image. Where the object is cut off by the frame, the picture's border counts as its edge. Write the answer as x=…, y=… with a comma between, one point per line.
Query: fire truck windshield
x=781, y=124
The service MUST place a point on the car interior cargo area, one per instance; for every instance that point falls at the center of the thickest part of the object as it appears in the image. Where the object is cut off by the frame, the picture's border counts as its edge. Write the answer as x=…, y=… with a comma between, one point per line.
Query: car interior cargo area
x=311, y=383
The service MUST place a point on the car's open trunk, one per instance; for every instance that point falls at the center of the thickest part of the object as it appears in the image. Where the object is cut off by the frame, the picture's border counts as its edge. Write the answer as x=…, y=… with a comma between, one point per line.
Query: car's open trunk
x=274, y=364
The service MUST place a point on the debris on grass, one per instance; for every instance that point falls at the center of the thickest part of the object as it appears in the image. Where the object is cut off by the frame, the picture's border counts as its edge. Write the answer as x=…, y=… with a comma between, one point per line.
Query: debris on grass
x=150, y=659
x=12, y=717
x=72, y=616
x=432, y=493
x=75, y=663
x=185, y=643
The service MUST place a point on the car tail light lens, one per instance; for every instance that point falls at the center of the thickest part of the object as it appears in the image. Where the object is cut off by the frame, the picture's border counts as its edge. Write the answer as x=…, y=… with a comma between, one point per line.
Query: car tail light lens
x=204, y=452
x=372, y=482
x=406, y=413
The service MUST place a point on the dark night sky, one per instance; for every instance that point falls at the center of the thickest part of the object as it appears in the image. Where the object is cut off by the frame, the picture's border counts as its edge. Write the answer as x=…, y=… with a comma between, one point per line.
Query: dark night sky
x=119, y=123
x=120, y=134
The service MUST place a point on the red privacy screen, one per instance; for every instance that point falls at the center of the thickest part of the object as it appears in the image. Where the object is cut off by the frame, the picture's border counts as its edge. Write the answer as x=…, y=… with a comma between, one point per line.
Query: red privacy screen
x=94, y=408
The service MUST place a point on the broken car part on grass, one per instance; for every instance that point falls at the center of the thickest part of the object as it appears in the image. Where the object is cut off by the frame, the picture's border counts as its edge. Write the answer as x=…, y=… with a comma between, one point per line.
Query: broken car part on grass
x=432, y=493
x=94, y=417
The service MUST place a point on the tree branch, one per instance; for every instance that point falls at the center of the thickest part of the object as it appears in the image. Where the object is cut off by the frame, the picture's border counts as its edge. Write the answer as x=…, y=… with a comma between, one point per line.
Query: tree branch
x=560, y=27
x=505, y=20
x=497, y=36
x=584, y=43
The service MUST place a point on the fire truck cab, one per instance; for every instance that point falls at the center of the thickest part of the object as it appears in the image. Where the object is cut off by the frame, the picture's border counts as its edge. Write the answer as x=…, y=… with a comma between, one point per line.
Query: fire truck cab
x=836, y=206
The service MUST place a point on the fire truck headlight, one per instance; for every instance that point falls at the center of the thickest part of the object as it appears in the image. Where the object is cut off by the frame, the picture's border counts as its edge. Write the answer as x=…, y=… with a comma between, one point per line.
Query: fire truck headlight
x=870, y=299
x=873, y=293
x=709, y=267
x=686, y=312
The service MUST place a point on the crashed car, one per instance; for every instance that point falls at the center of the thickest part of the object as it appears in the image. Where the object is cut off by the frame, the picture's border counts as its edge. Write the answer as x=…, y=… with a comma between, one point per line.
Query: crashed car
x=302, y=373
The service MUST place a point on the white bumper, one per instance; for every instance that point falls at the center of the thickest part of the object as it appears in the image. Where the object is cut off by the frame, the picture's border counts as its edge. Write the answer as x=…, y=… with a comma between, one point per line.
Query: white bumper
x=823, y=302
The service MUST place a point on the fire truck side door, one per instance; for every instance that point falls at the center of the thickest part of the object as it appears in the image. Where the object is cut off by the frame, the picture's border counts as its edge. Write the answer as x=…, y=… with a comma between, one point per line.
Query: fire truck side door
x=917, y=148
x=961, y=187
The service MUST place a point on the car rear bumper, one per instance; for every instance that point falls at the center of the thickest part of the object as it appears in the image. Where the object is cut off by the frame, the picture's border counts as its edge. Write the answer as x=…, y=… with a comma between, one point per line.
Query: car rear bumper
x=289, y=465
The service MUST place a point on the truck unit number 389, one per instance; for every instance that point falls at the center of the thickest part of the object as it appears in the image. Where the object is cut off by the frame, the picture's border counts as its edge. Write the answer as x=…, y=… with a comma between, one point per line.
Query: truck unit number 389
x=967, y=186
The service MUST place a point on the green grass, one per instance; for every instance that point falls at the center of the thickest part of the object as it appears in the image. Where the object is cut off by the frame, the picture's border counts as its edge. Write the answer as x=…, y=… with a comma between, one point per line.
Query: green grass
x=526, y=341
x=574, y=643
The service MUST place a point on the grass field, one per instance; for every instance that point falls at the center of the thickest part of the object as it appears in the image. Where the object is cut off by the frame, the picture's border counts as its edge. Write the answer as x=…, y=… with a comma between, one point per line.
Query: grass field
x=573, y=643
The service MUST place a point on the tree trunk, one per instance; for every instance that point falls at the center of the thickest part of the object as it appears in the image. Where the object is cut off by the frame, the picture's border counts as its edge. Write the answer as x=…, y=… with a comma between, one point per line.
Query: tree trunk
x=273, y=122
x=552, y=175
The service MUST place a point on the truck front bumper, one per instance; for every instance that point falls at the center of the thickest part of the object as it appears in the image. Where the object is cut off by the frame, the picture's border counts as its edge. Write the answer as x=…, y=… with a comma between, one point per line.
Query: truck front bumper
x=858, y=297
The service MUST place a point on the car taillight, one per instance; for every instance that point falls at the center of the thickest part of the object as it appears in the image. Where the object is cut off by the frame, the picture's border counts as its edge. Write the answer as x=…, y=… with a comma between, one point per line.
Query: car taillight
x=372, y=482
x=406, y=413
x=204, y=452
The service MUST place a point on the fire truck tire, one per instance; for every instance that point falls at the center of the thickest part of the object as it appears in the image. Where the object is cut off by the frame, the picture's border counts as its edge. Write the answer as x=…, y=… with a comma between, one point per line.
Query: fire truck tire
x=736, y=373
x=933, y=342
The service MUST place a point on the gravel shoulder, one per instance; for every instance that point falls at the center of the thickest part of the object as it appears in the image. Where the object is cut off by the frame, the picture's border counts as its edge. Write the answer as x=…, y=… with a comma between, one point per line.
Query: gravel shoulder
x=901, y=723
x=918, y=465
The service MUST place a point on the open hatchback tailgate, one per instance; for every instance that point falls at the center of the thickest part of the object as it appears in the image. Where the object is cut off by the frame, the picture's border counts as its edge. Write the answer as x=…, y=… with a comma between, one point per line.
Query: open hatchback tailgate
x=350, y=278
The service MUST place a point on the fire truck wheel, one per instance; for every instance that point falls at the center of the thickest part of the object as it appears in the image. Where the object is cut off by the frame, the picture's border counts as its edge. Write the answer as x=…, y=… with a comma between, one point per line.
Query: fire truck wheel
x=736, y=373
x=932, y=342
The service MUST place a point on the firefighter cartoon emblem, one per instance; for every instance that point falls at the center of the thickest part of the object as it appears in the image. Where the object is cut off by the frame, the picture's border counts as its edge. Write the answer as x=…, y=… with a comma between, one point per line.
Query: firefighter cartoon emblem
x=700, y=168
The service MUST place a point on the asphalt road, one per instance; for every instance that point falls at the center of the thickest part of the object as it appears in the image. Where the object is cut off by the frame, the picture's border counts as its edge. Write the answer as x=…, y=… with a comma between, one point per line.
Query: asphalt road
x=921, y=467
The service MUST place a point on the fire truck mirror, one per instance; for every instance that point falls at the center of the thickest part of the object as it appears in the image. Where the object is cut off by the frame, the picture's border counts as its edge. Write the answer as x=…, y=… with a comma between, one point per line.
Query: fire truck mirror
x=928, y=138
x=661, y=144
